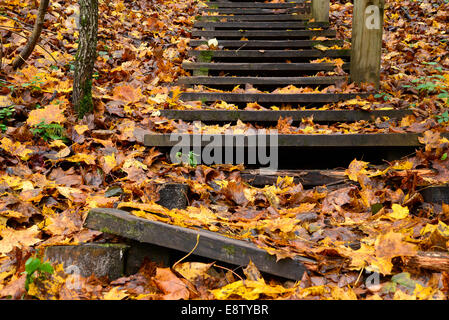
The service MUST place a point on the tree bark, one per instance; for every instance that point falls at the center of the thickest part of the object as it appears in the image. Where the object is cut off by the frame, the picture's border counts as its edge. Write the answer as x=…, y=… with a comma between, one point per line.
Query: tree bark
x=32, y=41
x=85, y=57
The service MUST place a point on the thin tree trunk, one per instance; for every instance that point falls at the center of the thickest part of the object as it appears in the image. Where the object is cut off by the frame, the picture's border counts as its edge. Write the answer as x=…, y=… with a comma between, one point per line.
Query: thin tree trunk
x=85, y=57
x=29, y=47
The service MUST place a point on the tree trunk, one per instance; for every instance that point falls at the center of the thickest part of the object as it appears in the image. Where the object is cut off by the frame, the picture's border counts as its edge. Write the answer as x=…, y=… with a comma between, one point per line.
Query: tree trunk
x=85, y=57
x=38, y=25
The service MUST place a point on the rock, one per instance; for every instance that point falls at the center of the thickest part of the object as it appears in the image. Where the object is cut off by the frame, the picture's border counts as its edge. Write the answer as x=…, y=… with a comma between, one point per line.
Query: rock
x=173, y=195
x=99, y=259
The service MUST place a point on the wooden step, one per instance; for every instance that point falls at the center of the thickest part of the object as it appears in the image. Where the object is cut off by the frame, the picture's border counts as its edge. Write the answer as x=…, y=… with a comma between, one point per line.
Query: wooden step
x=256, y=11
x=219, y=4
x=312, y=53
x=210, y=244
x=308, y=178
x=273, y=116
x=263, y=44
x=225, y=66
x=269, y=81
x=293, y=140
x=263, y=34
x=259, y=17
x=269, y=97
x=261, y=25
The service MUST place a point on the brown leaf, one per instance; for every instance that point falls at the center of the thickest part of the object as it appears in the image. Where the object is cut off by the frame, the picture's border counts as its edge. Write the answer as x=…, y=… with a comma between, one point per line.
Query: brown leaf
x=171, y=285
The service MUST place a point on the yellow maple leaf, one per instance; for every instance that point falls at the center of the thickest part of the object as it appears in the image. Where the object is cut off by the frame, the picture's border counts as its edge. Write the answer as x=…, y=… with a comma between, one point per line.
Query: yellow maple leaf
x=109, y=163
x=115, y=294
x=399, y=212
x=401, y=295
x=50, y=114
x=342, y=294
x=127, y=94
x=355, y=169
x=251, y=290
x=82, y=157
x=193, y=270
x=15, y=148
x=80, y=129
x=18, y=238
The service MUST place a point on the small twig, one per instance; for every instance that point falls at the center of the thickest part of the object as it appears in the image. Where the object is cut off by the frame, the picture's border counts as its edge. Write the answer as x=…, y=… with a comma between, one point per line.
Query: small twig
x=1, y=52
x=191, y=251
x=358, y=278
x=242, y=46
x=227, y=269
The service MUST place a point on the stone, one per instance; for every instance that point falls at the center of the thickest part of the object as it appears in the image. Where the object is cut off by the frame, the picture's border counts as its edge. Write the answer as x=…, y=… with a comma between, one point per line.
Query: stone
x=99, y=259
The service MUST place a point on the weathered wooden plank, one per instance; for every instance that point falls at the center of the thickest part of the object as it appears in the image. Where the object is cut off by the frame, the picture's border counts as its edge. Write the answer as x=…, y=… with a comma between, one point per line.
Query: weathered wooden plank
x=263, y=17
x=269, y=97
x=262, y=34
x=320, y=10
x=312, y=53
x=308, y=178
x=210, y=245
x=272, y=81
x=269, y=43
x=261, y=25
x=258, y=11
x=262, y=66
x=435, y=261
x=292, y=140
x=218, y=4
x=436, y=194
x=367, y=27
x=273, y=116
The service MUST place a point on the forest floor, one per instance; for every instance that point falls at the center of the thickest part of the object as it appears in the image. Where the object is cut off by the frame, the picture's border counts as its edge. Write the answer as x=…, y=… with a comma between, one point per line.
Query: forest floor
x=54, y=168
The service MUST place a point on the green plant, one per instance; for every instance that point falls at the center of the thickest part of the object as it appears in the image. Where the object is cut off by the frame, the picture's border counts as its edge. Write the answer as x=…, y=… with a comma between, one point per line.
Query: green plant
x=434, y=84
x=52, y=131
x=191, y=158
x=34, y=84
x=5, y=114
x=383, y=95
x=3, y=83
x=444, y=117
x=35, y=269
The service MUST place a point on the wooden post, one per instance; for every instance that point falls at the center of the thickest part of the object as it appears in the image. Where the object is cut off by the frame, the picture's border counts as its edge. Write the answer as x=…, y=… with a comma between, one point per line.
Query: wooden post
x=320, y=10
x=367, y=27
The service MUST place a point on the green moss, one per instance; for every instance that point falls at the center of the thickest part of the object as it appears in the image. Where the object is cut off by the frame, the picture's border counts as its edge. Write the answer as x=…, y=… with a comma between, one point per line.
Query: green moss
x=205, y=56
x=229, y=249
x=86, y=104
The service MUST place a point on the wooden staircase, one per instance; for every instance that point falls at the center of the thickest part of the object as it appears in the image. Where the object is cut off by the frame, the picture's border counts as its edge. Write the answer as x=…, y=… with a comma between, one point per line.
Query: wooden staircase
x=273, y=45
x=266, y=46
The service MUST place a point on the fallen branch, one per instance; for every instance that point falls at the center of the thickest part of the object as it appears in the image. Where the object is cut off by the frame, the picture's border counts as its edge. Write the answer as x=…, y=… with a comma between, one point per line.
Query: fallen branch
x=38, y=25
x=435, y=261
